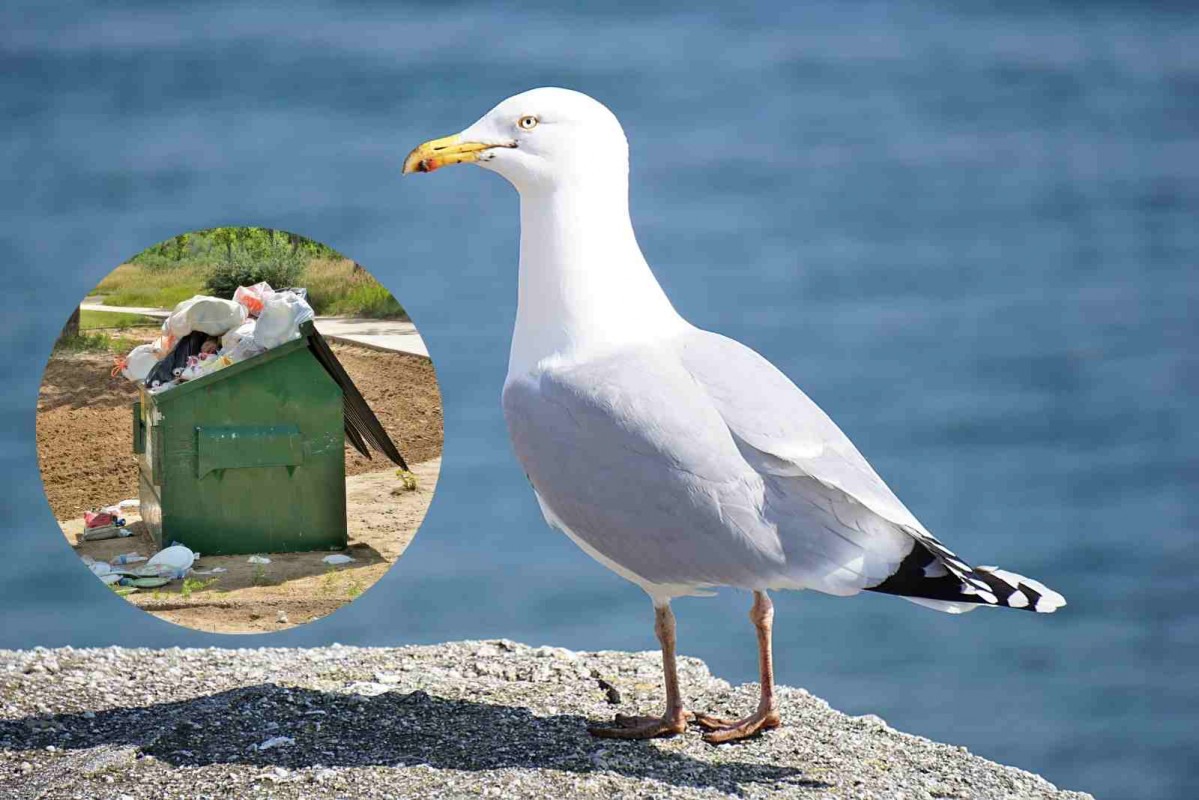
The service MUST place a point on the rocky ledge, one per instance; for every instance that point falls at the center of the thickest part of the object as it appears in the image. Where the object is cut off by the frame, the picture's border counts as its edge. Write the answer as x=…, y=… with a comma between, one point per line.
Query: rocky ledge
x=463, y=719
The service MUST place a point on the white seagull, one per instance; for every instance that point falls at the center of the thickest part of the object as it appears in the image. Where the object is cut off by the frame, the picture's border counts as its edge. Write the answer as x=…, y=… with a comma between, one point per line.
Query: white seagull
x=676, y=457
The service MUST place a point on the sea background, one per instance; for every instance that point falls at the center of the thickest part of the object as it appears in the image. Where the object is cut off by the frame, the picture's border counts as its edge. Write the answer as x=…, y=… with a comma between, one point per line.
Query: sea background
x=967, y=230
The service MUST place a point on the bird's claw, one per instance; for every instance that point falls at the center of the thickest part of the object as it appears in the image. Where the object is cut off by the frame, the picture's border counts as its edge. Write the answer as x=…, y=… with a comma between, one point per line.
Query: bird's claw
x=722, y=730
x=625, y=727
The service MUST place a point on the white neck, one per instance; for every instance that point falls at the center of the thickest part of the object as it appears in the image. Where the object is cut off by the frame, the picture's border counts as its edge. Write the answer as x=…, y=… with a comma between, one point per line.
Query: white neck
x=585, y=288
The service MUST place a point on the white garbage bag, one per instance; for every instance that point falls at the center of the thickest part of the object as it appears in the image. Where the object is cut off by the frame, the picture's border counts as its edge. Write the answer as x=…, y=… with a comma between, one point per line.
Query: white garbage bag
x=279, y=322
x=139, y=362
x=252, y=297
x=246, y=348
x=236, y=335
x=212, y=315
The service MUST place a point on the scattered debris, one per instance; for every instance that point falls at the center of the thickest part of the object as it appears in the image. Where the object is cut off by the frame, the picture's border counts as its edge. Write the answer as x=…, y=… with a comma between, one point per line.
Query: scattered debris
x=173, y=562
x=612, y=693
x=105, y=532
x=258, y=560
x=338, y=558
x=275, y=741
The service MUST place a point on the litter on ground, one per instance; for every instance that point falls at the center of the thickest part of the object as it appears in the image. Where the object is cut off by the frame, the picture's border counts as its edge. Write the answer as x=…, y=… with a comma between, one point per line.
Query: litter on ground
x=174, y=561
x=337, y=558
x=275, y=741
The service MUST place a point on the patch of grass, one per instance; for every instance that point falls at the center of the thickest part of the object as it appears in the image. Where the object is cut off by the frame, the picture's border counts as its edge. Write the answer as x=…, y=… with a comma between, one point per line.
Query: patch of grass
x=258, y=578
x=329, y=580
x=335, y=285
x=336, y=288
x=374, y=302
x=91, y=320
x=95, y=343
x=354, y=590
x=151, y=287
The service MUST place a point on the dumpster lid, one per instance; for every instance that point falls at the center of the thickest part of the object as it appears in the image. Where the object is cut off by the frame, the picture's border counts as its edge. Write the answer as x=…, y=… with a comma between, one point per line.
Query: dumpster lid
x=362, y=426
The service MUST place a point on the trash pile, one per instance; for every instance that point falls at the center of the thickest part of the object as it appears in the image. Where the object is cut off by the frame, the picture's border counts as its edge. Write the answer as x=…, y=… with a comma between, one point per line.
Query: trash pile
x=166, y=565
x=169, y=564
x=106, y=523
x=206, y=334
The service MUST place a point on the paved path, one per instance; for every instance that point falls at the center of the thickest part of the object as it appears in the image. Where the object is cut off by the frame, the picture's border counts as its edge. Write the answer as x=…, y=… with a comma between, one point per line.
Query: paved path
x=382, y=334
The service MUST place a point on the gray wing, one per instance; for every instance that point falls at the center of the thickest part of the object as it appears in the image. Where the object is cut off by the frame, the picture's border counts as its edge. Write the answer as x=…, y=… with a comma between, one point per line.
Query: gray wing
x=782, y=433
x=634, y=457
x=778, y=427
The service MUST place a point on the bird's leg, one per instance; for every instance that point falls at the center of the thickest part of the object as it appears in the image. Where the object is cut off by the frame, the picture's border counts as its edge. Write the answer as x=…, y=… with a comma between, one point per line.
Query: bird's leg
x=674, y=720
x=767, y=715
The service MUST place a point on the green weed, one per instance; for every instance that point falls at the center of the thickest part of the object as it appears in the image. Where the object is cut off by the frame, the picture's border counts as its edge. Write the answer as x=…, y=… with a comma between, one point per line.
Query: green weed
x=194, y=585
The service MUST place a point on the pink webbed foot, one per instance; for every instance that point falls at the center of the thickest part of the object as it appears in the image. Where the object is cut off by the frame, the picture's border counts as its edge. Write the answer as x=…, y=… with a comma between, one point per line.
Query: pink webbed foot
x=722, y=730
x=625, y=727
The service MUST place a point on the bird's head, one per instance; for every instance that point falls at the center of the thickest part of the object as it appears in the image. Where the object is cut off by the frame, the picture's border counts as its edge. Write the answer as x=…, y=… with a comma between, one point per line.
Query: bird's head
x=535, y=139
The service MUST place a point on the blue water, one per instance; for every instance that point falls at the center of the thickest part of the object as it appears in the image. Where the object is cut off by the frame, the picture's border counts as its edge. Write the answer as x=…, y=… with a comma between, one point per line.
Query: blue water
x=968, y=231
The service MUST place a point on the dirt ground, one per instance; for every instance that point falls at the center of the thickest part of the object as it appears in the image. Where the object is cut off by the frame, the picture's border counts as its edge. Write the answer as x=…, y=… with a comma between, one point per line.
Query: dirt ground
x=295, y=587
x=84, y=441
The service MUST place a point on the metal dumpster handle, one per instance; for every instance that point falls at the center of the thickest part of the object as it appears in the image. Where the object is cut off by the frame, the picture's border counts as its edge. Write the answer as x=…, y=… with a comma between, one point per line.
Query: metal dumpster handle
x=243, y=446
x=139, y=429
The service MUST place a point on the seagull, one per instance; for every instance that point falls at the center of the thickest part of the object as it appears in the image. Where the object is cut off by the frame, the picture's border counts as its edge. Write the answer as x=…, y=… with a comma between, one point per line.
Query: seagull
x=678, y=458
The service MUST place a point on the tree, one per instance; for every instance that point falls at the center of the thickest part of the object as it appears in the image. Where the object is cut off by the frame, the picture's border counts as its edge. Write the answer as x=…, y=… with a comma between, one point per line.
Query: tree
x=71, y=329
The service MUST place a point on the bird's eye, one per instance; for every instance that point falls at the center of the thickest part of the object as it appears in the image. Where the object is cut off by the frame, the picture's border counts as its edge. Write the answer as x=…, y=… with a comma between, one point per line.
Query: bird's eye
x=527, y=123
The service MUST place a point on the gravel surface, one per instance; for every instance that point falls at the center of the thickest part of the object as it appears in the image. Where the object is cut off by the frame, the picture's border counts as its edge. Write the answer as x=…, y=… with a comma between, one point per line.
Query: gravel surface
x=466, y=719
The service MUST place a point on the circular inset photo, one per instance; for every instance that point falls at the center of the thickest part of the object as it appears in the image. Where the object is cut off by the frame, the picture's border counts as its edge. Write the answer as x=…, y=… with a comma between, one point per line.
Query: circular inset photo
x=239, y=430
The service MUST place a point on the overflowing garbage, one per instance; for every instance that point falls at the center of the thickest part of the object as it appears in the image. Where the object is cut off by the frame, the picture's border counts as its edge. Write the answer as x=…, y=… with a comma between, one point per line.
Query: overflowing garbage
x=206, y=334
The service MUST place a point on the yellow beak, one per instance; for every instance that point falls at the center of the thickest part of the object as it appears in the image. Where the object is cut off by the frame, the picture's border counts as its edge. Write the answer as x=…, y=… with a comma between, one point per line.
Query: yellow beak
x=442, y=152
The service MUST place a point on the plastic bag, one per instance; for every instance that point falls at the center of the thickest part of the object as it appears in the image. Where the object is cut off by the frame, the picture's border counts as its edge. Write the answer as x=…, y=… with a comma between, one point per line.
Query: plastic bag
x=164, y=344
x=280, y=320
x=139, y=362
x=253, y=297
x=197, y=368
x=246, y=348
x=244, y=331
x=212, y=315
x=97, y=519
x=165, y=370
x=173, y=562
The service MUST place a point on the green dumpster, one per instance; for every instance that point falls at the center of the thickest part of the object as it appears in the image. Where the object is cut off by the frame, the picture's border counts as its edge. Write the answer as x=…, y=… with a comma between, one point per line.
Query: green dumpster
x=250, y=459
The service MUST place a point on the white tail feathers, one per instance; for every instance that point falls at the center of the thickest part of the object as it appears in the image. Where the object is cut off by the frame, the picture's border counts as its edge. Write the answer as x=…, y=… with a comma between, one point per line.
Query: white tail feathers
x=1017, y=591
x=934, y=577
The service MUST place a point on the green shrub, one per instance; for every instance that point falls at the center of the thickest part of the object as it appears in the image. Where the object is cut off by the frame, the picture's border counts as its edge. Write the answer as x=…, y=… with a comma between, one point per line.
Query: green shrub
x=277, y=266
